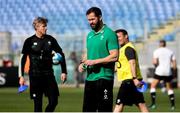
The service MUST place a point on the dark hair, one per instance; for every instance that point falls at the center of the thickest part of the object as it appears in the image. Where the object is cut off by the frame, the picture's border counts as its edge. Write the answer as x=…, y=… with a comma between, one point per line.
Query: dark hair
x=163, y=42
x=122, y=30
x=95, y=10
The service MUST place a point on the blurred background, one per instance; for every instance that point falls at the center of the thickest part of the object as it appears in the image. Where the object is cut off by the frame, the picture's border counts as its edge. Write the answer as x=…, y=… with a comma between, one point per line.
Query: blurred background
x=147, y=21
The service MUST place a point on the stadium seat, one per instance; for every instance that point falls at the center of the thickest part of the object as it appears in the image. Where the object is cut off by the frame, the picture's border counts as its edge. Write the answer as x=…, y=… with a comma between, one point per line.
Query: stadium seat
x=67, y=14
x=169, y=37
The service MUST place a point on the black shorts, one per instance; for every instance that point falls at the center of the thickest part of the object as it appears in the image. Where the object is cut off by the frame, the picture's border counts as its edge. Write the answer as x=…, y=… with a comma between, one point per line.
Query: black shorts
x=128, y=94
x=45, y=84
x=164, y=78
x=98, y=96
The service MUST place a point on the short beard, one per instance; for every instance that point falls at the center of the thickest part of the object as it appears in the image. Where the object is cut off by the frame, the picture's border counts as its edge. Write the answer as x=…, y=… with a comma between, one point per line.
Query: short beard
x=96, y=26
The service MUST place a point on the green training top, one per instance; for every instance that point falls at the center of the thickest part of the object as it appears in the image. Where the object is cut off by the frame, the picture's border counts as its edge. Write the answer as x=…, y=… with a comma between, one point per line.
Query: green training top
x=98, y=46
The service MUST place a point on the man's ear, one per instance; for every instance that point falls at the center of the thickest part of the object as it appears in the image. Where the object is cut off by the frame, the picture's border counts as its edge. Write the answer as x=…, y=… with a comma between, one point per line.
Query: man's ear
x=100, y=18
x=126, y=36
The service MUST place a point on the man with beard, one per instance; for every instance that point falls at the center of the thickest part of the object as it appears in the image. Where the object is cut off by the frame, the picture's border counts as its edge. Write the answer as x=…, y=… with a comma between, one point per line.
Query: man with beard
x=101, y=55
x=39, y=48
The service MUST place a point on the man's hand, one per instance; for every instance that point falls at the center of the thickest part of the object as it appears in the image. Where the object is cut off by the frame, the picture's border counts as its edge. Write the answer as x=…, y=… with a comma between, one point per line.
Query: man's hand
x=64, y=77
x=91, y=62
x=21, y=80
x=80, y=68
x=137, y=83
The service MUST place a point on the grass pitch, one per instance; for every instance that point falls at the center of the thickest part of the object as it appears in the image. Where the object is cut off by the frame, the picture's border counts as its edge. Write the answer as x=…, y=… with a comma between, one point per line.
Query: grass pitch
x=70, y=100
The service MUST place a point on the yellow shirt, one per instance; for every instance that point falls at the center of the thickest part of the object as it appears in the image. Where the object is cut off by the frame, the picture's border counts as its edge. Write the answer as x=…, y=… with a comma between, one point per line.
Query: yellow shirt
x=123, y=66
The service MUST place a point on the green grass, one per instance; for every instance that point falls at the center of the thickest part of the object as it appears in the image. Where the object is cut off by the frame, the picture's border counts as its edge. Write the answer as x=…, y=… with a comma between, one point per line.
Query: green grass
x=70, y=100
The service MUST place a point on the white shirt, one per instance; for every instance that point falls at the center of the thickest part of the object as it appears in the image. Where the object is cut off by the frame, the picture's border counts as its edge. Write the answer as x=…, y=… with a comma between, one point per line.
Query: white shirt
x=164, y=56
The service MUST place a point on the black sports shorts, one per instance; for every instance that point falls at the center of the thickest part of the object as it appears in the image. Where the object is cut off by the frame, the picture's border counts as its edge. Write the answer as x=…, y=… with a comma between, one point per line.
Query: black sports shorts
x=165, y=78
x=128, y=94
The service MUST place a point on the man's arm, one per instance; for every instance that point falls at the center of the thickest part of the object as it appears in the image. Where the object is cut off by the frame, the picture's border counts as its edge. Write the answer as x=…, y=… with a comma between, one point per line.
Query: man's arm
x=173, y=62
x=131, y=56
x=22, y=61
x=155, y=62
x=84, y=58
x=132, y=63
x=22, y=65
x=134, y=72
x=59, y=50
x=21, y=68
x=112, y=57
x=174, y=65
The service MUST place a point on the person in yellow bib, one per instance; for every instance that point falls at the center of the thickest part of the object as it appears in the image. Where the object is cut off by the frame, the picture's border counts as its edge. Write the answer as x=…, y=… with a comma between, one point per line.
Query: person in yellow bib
x=128, y=72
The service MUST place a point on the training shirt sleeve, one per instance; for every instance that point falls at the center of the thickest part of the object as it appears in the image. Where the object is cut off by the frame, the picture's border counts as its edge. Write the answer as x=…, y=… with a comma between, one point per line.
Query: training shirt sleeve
x=58, y=49
x=22, y=64
x=26, y=47
x=23, y=57
x=112, y=41
x=130, y=53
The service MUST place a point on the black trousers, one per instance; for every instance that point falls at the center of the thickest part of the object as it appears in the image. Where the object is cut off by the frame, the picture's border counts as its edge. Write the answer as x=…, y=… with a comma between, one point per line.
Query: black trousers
x=44, y=85
x=53, y=101
x=98, y=96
